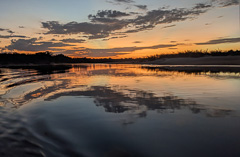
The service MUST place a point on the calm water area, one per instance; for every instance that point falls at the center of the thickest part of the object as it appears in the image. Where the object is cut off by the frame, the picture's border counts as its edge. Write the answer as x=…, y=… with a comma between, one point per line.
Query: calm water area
x=120, y=110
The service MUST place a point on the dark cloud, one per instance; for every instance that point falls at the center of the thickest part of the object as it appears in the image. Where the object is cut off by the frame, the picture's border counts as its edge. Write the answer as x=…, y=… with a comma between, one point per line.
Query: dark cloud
x=168, y=26
x=108, y=14
x=2, y=29
x=53, y=39
x=143, y=7
x=11, y=32
x=40, y=38
x=7, y=30
x=33, y=45
x=160, y=16
x=115, y=37
x=202, y=6
x=72, y=40
x=94, y=30
x=163, y=16
x=137, y=42
x=12, y=36
x=106, y=23
x=220, y=41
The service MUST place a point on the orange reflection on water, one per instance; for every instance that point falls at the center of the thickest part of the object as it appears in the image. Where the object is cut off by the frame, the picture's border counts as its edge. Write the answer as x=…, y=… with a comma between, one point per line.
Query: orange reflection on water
x=122, y=78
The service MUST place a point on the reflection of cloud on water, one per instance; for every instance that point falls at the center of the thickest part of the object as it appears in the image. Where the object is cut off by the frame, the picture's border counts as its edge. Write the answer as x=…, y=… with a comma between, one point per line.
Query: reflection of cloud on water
x=138, y=102
x=115, y=99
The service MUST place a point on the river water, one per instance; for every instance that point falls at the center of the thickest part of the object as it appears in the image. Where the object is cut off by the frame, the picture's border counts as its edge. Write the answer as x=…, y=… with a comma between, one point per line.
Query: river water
x=108, y=110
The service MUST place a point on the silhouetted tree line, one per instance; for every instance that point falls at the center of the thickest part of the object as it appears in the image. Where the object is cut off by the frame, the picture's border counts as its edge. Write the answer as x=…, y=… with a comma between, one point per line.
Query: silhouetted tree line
x=41, y=57
x=47, y=57
x=194, y=54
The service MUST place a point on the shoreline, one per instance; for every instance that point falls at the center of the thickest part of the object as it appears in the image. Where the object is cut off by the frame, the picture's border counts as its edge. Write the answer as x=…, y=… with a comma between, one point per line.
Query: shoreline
x=210, y=60
x=184, y=61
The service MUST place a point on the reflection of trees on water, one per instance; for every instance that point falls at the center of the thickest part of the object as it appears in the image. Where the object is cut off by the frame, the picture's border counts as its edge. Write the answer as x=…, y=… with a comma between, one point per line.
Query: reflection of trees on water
x=194, y=69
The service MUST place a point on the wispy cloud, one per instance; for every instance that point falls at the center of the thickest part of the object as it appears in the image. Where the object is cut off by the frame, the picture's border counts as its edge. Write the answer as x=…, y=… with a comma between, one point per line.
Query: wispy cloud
x=72, y=40
x=119, y=51
x=12, y=36
x=169, y=26
x=226, y=3
x=220, y=41
x=143, y=7
x=124, y=1
x=137, y=42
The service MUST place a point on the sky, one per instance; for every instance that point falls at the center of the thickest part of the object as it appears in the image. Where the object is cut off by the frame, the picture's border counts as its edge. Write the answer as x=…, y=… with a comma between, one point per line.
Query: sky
x=118, y=28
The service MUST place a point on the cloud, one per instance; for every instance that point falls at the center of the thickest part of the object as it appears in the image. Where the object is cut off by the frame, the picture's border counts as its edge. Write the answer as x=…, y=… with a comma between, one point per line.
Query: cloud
x=89, y=52
x=12, y=36
x=115, y=37
x=202, y=6
x=106, y=23
x=11, y=32
x=108, y=14
x=72, y=40
x=2, y=29
x=7, y=30
x=124, y=1
x=33, y=45
x=163, y=16
x=226, y=3
x=94, y=30
x=21, y=27
x=143, y=7
x=40, y=38
x=220, y=41
x=168, y=26
x=119, y=51
x=137, y=42
x=110, y=54
x=108, y=17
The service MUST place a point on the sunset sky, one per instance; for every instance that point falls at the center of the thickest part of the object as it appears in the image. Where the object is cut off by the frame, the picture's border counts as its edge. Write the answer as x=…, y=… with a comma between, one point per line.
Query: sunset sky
x=118, y=28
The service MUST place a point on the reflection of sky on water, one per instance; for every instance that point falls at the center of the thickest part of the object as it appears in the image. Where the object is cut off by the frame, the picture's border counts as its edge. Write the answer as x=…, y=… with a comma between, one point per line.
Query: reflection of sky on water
x=109, y=110
x=120, y=88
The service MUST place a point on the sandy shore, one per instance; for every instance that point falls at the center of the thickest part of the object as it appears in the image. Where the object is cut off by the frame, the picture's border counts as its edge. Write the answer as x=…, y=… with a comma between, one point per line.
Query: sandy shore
x=219, y=60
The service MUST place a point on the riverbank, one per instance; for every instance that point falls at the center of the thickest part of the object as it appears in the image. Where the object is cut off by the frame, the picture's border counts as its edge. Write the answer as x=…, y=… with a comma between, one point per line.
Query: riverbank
x=211, y=60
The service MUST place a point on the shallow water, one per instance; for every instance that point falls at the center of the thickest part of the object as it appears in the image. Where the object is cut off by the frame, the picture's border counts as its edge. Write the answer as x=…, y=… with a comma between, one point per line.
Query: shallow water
x=102, y=110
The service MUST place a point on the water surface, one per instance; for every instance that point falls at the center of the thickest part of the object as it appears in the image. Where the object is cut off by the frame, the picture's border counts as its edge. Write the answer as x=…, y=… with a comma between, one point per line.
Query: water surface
x=104, y=110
